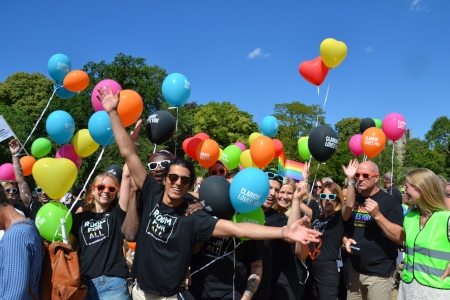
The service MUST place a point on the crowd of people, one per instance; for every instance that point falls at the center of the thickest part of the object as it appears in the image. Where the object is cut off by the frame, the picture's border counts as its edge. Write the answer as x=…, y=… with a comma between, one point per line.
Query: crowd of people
x=318, y=241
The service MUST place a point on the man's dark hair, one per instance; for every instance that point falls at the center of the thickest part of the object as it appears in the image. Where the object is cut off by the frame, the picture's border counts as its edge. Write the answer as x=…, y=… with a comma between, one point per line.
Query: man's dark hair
x=232, y=173
x=180, y=161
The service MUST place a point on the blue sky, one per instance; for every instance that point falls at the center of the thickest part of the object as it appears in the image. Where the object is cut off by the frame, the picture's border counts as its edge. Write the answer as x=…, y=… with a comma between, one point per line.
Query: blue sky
x=396, y=59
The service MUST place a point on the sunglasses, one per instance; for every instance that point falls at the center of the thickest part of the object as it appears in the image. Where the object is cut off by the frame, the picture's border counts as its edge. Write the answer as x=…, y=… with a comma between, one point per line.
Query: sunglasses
x=101, y=187
x=365, y=175
x=154, y=165
x=174, y=178
x=315, y=254
x=317, y=187
x=215, y=172
x=38, y=190
x=331, y=197
x=276, y=176
x=11, y=190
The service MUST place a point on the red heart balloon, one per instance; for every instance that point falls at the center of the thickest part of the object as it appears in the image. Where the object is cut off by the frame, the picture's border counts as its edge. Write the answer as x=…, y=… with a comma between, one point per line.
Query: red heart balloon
x=314, y=71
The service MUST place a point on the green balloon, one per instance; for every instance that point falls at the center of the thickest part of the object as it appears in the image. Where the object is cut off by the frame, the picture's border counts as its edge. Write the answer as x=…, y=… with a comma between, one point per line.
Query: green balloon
x=41, y=147
x=256, y=216
x=231, y=156
x=378, y=123
x=48, y=221
x=303, y=149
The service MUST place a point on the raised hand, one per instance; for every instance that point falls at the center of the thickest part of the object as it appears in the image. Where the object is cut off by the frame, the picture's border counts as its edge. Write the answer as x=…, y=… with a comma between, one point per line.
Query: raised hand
x=14, y=146
x=350, y=170
x=108, y=100
x=300, y=190
x=299, y=233
x=305, y=171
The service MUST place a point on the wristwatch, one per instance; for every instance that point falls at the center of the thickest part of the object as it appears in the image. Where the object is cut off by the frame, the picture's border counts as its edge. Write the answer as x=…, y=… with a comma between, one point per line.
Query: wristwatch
x=351, y=183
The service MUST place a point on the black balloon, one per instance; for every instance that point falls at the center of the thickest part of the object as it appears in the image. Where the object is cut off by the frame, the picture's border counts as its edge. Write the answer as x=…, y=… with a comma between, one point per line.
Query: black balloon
x=160, y=127
x=322, y=143
x=214, y=195
x=365, y=124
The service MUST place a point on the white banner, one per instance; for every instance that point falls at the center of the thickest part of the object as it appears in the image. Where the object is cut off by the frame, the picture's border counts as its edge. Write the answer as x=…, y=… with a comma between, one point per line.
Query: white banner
x=5, y=130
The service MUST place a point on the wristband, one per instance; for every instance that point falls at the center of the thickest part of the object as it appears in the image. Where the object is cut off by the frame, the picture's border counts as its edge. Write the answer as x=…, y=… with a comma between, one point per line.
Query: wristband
x=136, y=143
x=282, y=233
x=351, y=183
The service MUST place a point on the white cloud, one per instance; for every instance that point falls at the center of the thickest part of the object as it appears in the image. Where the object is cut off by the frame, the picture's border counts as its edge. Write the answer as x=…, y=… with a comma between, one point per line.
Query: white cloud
x=416, y=6
x=258, y=52
x=368, y=49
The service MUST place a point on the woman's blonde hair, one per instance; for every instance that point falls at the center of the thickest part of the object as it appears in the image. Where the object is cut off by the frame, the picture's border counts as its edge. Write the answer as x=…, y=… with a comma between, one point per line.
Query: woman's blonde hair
x=335, y=189
x=430, y=187
x=89, y=205
x=286, y=181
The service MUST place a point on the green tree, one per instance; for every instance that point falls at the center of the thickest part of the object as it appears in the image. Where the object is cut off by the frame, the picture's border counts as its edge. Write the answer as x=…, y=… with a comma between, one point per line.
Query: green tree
x=296, y=120
x=438, y=137
x=419, y=155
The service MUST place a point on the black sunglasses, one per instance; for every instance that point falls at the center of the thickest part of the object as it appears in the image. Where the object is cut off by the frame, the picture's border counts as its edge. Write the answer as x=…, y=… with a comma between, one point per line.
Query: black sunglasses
x=38, y=190
x=174, y=178
x=215, y=172
x=101, y=187
x=331, y=197
x=11, y=190
x=276, y=176
x=317, y=187
x=154, y=165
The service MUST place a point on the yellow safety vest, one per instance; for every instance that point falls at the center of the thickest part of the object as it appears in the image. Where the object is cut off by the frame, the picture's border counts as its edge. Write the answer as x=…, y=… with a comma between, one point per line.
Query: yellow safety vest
x=427, y=251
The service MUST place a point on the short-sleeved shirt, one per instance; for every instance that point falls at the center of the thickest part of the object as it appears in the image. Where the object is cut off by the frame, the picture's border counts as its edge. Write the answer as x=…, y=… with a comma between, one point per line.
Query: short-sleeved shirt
x=332, y=229
x=378, y=253
x=165, y=241
x=100, y=241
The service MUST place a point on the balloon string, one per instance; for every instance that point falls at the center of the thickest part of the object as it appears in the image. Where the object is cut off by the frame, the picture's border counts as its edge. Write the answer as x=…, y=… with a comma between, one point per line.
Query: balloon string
x=176, y=129
x=39, y=119
x=326, y=97
x=154, y=149
x=315, y=176
x=318, y=99
x=234, y=265
x=392, y=165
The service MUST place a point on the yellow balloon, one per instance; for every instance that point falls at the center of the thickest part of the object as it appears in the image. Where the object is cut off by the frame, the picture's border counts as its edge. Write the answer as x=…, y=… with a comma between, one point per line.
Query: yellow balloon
x=55, y=175
x=83, y=143
x=246, y=160
x=253, y=136
x=333, y=52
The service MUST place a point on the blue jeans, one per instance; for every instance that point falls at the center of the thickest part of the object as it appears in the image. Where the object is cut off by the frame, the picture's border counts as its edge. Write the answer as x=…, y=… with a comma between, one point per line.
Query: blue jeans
x=107, y=288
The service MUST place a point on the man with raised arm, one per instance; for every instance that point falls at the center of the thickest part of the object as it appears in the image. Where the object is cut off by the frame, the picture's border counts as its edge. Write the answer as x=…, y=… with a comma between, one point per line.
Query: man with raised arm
x=166, y=236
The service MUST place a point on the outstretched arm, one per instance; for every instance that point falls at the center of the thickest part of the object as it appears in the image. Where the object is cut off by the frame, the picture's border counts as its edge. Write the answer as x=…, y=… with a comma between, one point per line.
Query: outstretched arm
x=350, y=171
x=110, y=103
x=253, y=281
x=24, y=189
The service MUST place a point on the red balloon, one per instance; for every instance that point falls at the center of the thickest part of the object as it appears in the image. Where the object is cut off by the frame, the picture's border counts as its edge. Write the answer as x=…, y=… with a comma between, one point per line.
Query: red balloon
x=314, y=71
x=185, y=143
x=278, y=147
x=201, y=135
x=191, y=147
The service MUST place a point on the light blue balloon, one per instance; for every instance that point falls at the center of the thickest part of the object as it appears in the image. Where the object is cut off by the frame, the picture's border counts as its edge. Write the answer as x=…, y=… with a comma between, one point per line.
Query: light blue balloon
x=62, y=92
x=249, y=190
x=58, y=66
x=176, y=89
x=100, y=128
x=60, y=126
x=269, y=126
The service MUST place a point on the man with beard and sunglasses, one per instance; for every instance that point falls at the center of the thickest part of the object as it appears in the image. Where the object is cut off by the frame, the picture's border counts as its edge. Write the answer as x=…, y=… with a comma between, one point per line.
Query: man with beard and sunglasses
x=373, y=230
x=166, y=235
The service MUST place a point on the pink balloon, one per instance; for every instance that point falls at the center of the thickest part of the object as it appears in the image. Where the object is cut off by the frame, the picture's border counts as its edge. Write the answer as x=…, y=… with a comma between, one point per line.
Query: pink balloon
x=240, y=145
x=7, y=172
x=355, y=145
x=68, y=151
x=104, y=83
x=394, y=126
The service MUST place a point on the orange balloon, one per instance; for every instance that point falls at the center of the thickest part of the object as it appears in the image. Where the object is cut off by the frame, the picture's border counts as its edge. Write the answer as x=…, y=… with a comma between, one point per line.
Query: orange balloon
x=208, y=153
x=130, y=107
x=373, y=141
x=76, y=81
x=262, y=151
x=27, y=163
x=132, y=245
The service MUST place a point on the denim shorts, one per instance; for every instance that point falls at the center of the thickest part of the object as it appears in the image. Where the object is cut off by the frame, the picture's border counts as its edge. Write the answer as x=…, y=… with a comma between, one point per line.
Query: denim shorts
x=104, y=287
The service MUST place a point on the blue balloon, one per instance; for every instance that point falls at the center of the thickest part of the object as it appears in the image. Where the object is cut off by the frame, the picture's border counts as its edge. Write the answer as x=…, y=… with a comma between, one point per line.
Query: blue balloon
x=176, y=89
x=100, y=128
x=249, y=189
x=62, y=92
x=60, y=126
x=269, y=126
x=58, y=66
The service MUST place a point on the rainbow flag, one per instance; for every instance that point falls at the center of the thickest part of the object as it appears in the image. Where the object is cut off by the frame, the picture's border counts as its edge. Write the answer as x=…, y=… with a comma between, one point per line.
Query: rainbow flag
x=293, y=169
x=281, y=163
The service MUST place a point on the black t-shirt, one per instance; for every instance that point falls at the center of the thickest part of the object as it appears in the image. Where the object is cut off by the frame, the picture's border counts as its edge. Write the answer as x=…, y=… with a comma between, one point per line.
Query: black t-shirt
x=216, y=280
x=18, y=204
x=315, y=207
x=378, y=253
x=100, y=242
x=33, y=209
x=165, y=241
x=332, y=229
x=396, y=193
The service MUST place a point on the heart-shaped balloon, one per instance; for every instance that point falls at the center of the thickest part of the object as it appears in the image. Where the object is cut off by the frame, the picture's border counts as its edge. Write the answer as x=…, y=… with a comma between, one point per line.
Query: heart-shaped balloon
x=314, y=71
x=333, y=52
x=55, y=175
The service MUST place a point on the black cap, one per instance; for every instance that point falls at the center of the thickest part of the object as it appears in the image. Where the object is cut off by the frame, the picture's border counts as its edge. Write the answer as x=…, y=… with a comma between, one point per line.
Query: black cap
x=115, y=170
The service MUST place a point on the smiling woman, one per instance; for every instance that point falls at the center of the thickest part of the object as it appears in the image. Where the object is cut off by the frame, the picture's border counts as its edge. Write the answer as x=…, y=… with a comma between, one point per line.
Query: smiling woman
x=285, y=195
